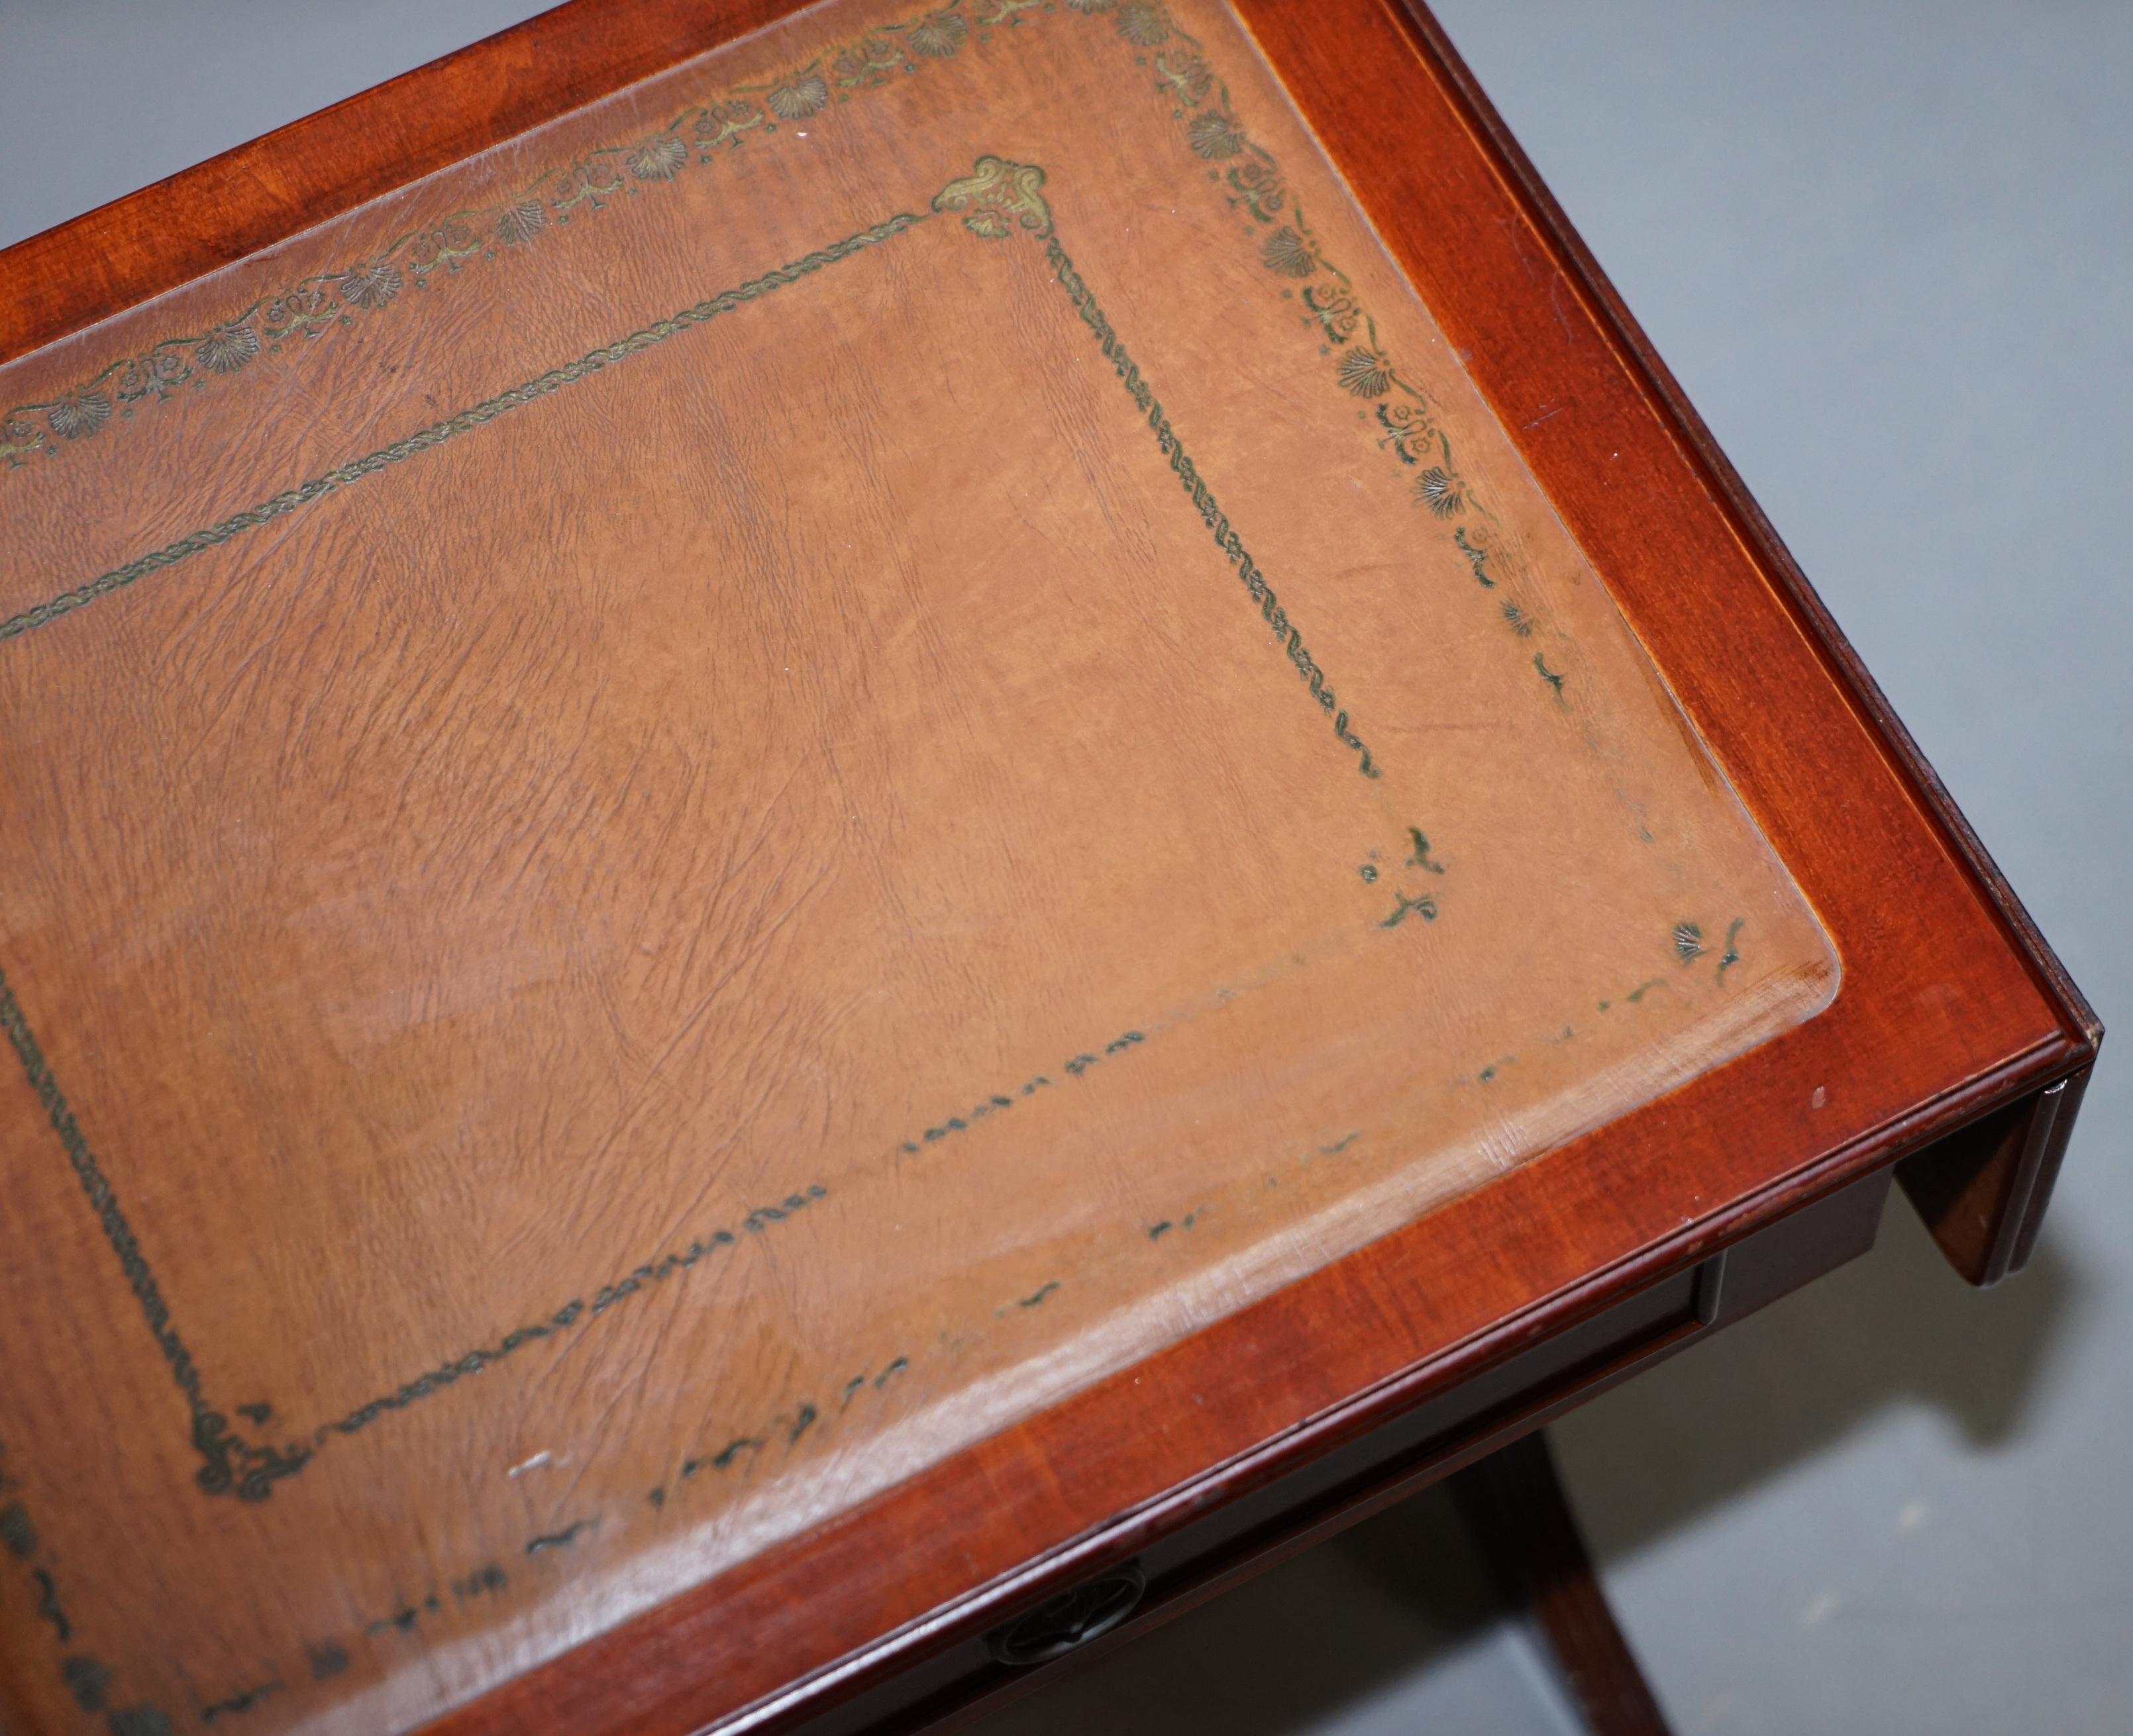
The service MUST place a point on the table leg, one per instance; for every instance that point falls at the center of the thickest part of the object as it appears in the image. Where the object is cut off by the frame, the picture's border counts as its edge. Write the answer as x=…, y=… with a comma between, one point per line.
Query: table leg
x=1514, y=1509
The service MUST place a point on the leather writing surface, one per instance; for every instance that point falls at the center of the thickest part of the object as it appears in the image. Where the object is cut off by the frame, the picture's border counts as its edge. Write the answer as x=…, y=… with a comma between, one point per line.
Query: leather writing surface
x=710, y=805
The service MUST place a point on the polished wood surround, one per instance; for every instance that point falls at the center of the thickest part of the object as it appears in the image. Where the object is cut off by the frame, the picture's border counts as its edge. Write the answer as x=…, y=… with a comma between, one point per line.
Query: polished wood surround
x=807, y=820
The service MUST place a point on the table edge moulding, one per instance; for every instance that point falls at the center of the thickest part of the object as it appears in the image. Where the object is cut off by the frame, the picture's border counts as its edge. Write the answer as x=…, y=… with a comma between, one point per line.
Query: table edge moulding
x=1727, y=1191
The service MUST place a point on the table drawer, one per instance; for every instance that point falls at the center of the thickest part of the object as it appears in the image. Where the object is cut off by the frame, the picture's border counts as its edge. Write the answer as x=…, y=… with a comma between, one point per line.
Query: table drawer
x=1256, y=1529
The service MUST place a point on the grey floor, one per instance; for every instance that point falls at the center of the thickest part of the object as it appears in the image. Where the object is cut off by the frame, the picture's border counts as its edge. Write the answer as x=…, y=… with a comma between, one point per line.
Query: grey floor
x=1886, y=245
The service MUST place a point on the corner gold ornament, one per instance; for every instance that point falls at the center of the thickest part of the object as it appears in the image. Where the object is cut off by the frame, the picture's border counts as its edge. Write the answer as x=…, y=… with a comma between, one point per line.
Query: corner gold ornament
x=997, y=197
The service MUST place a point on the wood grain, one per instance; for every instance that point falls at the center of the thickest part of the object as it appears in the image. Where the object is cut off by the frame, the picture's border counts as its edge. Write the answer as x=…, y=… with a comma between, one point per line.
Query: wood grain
x=1949, y=1005
x=1516, y=1509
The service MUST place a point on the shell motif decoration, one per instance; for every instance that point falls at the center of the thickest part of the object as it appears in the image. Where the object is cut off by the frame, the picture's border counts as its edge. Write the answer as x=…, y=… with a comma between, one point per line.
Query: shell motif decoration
x=228, y=348
x=1144, y=25
x=521, y=221
x=657, y=159
x=1365, y=372
x=938, y=36
x=77, y=418
x=370, y=287
x=800, y=96
x=1287, y=252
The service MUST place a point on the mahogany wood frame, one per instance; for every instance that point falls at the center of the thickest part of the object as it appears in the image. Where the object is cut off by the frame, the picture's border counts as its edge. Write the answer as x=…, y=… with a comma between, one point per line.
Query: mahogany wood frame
x=1954, y=1030
x=1512, y=1501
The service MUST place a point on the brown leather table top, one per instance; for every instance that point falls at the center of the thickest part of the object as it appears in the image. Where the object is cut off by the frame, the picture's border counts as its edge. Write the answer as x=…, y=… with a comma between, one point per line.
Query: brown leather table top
x=715, y=803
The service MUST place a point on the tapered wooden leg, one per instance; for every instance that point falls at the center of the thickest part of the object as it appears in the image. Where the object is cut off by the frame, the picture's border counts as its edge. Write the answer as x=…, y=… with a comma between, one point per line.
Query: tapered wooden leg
x=1514, y=1509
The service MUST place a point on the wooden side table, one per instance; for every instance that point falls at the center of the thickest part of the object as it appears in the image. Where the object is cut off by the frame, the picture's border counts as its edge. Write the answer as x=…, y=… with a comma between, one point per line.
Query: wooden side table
x=842, y=843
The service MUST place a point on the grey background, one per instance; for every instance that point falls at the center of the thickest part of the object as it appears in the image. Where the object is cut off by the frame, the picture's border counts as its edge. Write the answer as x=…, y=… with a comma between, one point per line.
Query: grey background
x=1885, y=245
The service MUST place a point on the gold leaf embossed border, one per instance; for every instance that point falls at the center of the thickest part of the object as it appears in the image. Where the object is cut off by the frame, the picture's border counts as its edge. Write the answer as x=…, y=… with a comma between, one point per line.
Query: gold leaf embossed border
x=997, y=200
x=317, y=306
x=1400, y=415
x=1402, y=418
